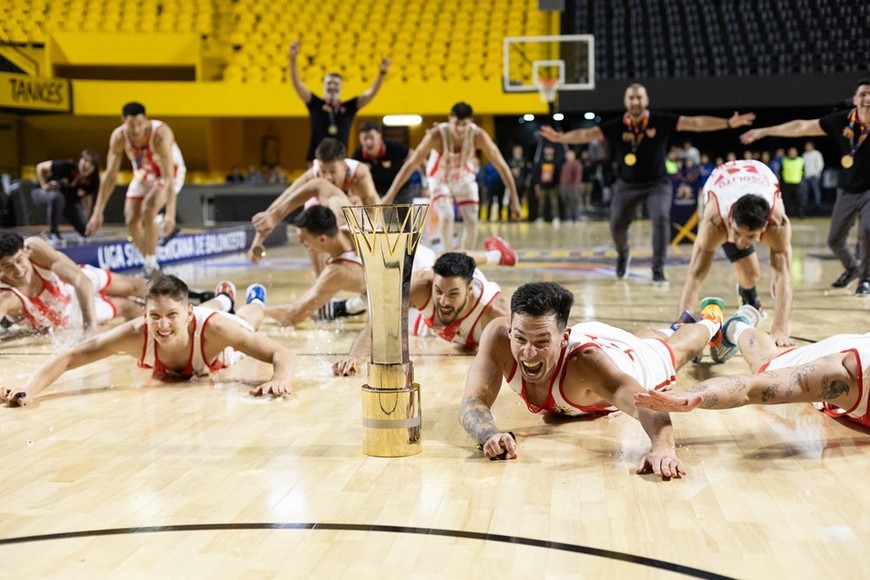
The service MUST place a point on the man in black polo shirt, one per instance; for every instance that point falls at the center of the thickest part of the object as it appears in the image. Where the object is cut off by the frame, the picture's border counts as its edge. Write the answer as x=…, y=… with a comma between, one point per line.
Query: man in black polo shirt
x=850, y=129
x=63, y=185
x=384, y=157
x=330, y=116
x=638, y=142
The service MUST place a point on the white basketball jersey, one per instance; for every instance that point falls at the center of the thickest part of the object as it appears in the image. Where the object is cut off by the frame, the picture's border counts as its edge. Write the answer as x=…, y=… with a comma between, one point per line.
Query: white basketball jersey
x=733, y=180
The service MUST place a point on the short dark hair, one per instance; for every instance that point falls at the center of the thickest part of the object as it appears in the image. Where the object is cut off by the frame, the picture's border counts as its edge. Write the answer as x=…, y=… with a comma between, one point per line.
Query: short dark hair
x=543, y=299
x=132, y=109
x=167, y=285
x=93, y=156
x=862, y=82
x=751, y=211
x=370, y=126
x=330, y=150
x=318, y=220
x=461, y=110
x=454, y=264
x=10, y=244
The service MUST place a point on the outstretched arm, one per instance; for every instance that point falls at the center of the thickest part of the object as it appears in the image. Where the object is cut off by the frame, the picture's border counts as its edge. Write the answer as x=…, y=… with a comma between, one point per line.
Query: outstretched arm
x=832, y=378
x=107, y=184
x=796, y=128
x=163, y=142
x=618, y=388
x=575, y=136
x=124, y=338
x=259, y=346
x=703, y=123
x=328, y=283
x=417, y=158
x=300, y=87
x=366, y=98
x=481, y=389
x=504, y=171
x=362, y=346
x=703, y=250
x=779, y=238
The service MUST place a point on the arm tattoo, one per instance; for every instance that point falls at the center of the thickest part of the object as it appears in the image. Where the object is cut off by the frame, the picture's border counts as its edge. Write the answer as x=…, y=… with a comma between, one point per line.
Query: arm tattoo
x=477, y=419
x=800, y=377
x=768, y=394
x=710, y=398
x=833, y=388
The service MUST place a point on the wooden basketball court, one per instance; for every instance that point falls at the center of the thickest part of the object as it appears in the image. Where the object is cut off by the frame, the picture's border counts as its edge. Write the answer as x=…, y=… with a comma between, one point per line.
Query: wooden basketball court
x=112, y=474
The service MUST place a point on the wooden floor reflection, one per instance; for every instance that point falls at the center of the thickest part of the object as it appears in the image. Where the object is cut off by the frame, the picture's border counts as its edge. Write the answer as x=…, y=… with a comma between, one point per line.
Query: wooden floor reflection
x=770, y=492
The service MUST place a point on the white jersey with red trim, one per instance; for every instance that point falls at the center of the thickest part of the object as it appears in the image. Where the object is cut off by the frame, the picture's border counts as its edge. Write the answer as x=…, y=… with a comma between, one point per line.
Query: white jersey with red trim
x=145, y=161
x=859, y=344
x=449, y=166
x=197, y=365
x=650, y=361
x=733, y=180
x=347, y=256
x=56, y=305
x=351, y=167
x=465, y=331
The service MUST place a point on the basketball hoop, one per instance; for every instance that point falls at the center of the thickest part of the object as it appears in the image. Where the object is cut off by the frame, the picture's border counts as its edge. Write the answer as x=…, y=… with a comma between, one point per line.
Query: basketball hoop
x=547, y=88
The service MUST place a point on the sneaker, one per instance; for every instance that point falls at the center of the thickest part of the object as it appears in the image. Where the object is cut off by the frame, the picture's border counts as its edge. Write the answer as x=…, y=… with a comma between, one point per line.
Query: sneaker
x=863, y=287
x=623, y=261
x=714, y=309
x=658, y=276
x=255, y=292
x=685, y=318
x=332, y=310
x=726, y=349
x=228, y=288
x=845, y=278
x=508, y=254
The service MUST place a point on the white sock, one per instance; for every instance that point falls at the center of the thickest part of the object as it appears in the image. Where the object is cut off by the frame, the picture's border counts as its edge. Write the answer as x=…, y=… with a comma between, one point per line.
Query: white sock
x=735, y=329
x=493, y=257
x=712, y=327
x=256, y=301
x=150, y=260
x=669, y=332
x=225, y=302
x=356, y=305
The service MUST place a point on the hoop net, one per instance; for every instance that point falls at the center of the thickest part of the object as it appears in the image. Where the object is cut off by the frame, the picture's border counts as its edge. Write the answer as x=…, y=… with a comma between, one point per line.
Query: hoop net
x=547, y=88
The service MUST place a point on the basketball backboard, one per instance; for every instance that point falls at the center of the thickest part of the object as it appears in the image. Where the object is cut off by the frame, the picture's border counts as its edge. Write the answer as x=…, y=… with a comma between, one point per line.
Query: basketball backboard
x=528, y=59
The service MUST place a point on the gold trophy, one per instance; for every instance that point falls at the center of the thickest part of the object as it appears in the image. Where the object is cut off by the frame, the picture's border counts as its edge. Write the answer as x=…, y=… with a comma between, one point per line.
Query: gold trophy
x=386, y=238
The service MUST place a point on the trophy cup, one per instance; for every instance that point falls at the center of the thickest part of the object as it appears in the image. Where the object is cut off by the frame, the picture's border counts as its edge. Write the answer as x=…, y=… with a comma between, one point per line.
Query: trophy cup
x=386, y=238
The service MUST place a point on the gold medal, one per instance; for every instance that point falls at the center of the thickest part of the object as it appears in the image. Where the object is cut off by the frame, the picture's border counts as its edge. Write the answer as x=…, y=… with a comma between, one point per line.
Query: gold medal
x=258, y=252
x=847, y=161
x=630, y=159
x=332, y=130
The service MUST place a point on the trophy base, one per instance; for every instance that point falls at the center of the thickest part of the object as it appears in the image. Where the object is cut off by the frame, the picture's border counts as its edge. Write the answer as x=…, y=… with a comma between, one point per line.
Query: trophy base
x=391, y=421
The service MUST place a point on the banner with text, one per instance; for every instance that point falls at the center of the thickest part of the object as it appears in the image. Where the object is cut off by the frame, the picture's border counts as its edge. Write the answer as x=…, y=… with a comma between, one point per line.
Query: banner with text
x=26, y=93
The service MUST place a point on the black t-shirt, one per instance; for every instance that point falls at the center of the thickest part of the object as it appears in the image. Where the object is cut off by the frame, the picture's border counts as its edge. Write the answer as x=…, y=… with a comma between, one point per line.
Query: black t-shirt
x=385, y=168
x=66, y=173
x=651, y=149
x=855, y=179
x=322, y=116
x=546, y=173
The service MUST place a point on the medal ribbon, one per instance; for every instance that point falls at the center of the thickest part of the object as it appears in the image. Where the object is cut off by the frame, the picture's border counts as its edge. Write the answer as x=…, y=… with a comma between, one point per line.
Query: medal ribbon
x=637, y=130
x=856, y=132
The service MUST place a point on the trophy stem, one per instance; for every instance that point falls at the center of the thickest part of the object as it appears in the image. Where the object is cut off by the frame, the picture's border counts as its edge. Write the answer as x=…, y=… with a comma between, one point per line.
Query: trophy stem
x=386, y=238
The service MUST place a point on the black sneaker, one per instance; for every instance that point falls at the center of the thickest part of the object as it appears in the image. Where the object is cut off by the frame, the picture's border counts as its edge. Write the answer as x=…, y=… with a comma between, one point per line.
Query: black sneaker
x=845, y=278
x=623, y=260
x=863, y=287
x=659, y=276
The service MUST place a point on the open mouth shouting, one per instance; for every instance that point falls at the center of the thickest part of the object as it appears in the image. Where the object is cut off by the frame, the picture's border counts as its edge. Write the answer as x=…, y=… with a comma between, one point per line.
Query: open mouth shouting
x=532, y=371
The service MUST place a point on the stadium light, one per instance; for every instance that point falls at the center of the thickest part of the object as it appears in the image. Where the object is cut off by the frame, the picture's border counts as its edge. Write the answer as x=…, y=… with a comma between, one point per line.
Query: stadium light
x=589, y=116
x=402, y=120
x=528, y=117
x=558, y=116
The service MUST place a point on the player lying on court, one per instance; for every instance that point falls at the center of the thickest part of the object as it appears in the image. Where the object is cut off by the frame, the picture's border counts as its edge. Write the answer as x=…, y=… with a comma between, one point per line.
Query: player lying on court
x=834, y=371
x=44, y=289
x=744, y=207
x=176, y=339
x=452, y=299
x=588, y=368
x=333, y=180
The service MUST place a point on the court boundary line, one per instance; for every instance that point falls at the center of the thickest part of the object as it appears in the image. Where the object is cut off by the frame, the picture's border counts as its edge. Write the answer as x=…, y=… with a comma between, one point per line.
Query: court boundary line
x=314, y=526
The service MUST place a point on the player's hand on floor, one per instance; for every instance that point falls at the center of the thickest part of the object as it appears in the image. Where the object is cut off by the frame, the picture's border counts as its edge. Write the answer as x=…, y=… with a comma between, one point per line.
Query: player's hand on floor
x=275, y=388
x=663, y=463
x=346, y=367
